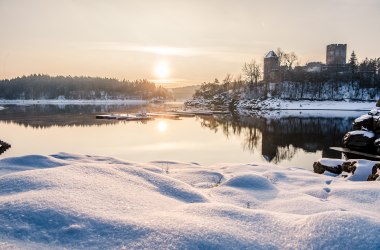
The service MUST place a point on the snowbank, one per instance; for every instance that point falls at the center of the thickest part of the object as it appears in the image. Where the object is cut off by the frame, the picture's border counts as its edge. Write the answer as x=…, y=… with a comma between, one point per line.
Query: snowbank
x=279, y=104
x=73, y=201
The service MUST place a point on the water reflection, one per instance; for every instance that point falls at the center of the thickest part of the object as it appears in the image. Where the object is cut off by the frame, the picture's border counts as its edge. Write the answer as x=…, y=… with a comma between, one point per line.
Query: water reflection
x=276, y=138
x=45, y=116
x=281, y=138
x=162, y=126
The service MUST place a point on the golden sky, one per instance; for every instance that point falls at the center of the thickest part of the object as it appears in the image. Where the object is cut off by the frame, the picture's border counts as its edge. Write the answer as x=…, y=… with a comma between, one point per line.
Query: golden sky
x=172, y=41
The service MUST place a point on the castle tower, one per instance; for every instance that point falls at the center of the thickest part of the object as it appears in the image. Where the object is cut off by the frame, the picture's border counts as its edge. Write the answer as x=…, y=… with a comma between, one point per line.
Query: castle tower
x=336, y=54
x=271, y=65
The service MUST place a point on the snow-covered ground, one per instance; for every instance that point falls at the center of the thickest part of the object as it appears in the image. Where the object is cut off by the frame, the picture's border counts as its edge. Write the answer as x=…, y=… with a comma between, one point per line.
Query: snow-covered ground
x=72, y=102
x=305, y=105
x=73, y=201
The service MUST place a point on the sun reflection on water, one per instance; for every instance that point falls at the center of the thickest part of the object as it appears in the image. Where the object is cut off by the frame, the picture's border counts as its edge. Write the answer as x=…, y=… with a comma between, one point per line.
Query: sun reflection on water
x=162, y=126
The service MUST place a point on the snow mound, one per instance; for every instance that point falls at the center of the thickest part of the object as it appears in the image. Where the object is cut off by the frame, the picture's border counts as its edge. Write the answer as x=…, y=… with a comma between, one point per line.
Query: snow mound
x=29, y=162
x=69, y=201
x=250, y=181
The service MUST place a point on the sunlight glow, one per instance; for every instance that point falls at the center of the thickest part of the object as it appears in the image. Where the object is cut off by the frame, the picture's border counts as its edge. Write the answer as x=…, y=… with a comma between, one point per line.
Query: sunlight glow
x=162, y=70
x=162, y=126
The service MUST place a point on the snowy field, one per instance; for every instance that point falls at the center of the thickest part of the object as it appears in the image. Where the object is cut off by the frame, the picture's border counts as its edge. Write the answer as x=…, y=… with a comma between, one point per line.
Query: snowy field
x=73, y=201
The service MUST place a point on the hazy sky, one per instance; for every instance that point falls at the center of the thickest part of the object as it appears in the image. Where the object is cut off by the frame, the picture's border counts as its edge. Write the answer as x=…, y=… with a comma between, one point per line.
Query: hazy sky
x=181, y=42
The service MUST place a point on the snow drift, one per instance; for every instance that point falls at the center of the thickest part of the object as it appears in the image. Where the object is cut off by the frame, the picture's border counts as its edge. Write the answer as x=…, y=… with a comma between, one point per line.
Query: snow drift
x=75, y=201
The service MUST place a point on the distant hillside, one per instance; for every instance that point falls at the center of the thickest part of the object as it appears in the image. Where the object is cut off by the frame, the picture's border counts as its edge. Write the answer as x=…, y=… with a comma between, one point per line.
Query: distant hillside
x=183, y=93
x=73, y=88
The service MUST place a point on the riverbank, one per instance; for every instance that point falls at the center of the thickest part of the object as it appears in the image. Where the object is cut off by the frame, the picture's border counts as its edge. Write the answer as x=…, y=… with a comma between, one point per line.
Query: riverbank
x=76, y=201
x=281, y=104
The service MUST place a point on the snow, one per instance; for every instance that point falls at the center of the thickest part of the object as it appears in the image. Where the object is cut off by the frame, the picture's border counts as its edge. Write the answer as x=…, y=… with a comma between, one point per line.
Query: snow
x=271, y=54
x=278, y=104
x=367, y=134
x=363, y=118
x=363, y=169
x=331, y=162
x=82, y=202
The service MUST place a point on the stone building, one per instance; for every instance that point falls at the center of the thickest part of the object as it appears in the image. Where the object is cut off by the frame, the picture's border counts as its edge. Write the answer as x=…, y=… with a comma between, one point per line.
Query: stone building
x=336, y=54
x=271, y=67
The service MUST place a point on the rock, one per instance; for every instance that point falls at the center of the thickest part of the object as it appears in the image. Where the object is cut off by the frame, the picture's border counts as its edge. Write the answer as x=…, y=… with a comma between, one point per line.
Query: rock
x=376, y=124
x=364, y=121
x=320, y=168
x=375, y=172
x=376, y=145
x=360, y=140
x=349, y=166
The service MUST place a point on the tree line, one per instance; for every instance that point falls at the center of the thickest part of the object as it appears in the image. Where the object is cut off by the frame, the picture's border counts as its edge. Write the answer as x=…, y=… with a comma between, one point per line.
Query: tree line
x=39, y=86
x=355, y=80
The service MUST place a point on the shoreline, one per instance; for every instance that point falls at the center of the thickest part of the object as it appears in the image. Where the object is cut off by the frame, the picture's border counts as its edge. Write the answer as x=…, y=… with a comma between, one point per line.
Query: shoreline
x=281, y=104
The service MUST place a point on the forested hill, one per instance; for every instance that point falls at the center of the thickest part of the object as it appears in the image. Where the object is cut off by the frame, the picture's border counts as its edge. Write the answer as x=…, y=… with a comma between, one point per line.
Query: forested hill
x=67, y=87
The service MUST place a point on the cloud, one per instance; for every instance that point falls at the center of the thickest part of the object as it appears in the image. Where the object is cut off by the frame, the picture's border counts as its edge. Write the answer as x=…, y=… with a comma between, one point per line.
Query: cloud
x=158, y=50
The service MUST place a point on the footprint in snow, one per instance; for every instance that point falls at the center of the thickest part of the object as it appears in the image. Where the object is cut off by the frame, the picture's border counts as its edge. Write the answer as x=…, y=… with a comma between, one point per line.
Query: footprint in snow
x=327, y=190
x=328, y=182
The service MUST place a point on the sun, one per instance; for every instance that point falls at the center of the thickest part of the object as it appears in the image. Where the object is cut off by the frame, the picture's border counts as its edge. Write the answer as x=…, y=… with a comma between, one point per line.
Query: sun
x=162, y=70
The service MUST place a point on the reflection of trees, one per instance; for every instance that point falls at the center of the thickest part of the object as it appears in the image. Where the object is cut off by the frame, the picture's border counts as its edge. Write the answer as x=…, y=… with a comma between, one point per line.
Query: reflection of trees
x=45, y=116
x=281, y=138
x=251, y=137
x=284, y=153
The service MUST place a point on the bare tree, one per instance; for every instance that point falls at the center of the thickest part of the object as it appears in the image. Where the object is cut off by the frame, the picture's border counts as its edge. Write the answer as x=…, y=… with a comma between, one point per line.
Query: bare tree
x=290, y=58
x=228, y=79
x=252, y=71
x=286, y=59
x=281, y=56
x=238, y=82
x=227, y=82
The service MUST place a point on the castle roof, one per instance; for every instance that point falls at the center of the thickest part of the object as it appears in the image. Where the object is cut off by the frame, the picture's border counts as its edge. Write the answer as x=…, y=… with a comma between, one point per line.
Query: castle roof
x=271, y=54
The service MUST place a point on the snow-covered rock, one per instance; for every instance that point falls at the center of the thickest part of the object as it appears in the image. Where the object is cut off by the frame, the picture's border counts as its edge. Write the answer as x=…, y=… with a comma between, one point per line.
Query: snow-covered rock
x=83, y=202
x=353, y=169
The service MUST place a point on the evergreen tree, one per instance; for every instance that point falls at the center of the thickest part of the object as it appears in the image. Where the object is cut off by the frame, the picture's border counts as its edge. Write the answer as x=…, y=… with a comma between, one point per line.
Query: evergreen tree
x=353, y=63
x=353, y=66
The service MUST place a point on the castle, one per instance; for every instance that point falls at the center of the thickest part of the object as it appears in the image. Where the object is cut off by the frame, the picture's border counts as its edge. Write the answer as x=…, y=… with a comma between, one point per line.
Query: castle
x=271, y=66
x=335, y=63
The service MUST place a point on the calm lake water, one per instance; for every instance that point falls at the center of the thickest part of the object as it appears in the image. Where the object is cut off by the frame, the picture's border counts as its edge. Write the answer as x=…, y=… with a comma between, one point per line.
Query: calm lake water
x=285, y=139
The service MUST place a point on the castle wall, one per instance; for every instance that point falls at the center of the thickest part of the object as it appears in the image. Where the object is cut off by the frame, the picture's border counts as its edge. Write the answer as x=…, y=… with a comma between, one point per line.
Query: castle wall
x=336, y=54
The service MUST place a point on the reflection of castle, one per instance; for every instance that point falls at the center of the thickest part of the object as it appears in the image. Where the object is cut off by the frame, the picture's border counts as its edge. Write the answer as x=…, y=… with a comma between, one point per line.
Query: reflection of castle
x=335, y=63
x=281, y=138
